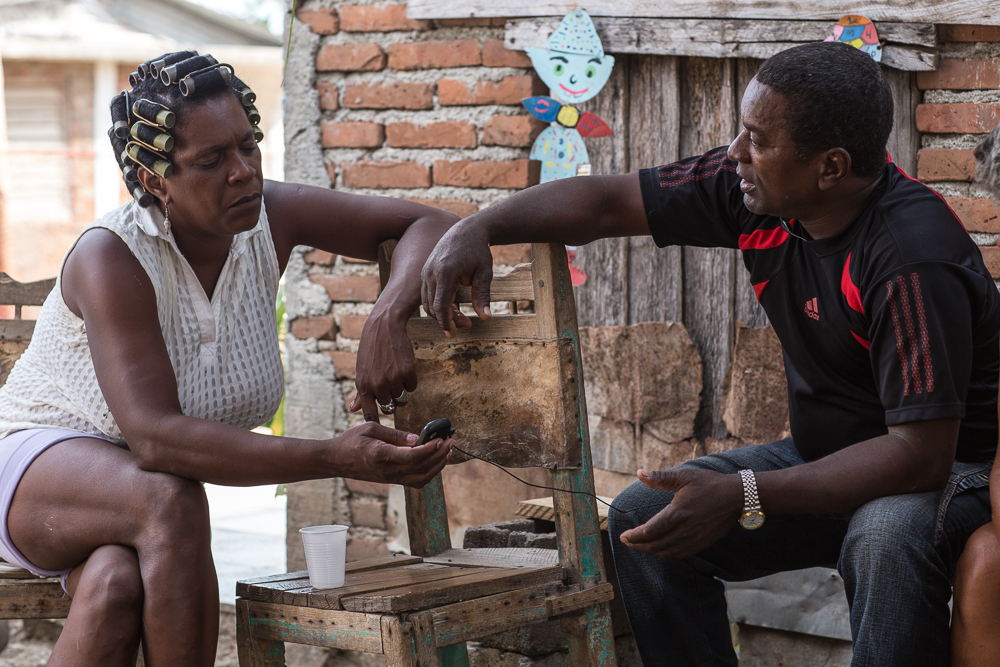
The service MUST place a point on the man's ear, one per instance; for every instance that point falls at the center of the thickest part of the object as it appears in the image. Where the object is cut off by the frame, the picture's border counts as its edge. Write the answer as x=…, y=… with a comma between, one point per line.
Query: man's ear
x=153, y=184
x=835, y=166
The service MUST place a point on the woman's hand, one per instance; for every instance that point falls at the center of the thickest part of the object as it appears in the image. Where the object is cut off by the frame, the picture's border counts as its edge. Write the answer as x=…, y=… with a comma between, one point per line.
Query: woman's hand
x=461, y=257
x=385, y=363
x=375, y=453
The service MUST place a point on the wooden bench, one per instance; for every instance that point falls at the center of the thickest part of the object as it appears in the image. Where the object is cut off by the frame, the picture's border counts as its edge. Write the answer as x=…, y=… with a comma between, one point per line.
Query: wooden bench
x=513, y=387
x=22, y=594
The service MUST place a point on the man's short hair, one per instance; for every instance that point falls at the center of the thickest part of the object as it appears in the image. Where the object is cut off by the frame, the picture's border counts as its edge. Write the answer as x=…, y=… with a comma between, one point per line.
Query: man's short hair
x=837, y=98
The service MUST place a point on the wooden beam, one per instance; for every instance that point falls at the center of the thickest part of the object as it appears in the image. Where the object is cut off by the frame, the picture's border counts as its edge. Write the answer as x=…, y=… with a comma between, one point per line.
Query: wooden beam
x=316, y=627
x=909, y=46
x=979, y=12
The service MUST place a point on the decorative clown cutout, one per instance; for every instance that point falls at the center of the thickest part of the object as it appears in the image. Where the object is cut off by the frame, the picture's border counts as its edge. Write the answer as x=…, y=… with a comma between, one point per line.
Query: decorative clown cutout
x=859, y=32
x=574, y=66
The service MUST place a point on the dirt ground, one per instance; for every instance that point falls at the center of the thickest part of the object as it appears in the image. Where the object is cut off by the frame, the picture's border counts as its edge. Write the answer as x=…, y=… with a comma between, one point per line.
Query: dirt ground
x=31, y=642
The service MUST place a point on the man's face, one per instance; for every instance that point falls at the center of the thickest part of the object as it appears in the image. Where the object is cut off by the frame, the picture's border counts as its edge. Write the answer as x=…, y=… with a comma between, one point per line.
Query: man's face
x=775, y=180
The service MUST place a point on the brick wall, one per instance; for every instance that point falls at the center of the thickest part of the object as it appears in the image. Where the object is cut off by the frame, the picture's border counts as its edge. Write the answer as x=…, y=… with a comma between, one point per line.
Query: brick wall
x=961, y=102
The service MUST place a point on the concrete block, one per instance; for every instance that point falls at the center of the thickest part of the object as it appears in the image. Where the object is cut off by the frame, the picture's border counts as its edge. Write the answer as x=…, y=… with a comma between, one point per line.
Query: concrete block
x=313, y=503
x=763, y=647
x=755, y=391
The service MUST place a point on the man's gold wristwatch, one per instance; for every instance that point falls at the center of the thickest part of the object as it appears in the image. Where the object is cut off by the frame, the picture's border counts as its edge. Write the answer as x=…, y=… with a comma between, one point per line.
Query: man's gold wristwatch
x=752, y=517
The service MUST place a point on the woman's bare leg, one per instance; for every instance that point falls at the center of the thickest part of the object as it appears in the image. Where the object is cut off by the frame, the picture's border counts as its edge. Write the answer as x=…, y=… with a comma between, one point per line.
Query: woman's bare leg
x=105, y=617
x=975, y=621
x=82, y=494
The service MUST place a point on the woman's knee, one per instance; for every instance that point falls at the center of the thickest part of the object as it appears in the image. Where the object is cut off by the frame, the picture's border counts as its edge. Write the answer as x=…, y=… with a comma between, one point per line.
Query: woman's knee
x=174, y=508
x=977, y=578
x=110, y=580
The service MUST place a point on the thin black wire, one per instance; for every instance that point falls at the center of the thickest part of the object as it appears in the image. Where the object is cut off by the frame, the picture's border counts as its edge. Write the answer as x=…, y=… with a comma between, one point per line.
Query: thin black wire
x=552, y=488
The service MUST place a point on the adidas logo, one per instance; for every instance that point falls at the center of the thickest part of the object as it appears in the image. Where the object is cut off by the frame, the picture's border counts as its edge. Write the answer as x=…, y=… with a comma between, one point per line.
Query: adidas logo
x=812, y=310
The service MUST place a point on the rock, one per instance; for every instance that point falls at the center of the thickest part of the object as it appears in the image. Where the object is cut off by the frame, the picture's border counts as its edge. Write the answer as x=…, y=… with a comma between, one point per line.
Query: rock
x=763, y=647
x=515, y=533
x=755, y=392
x=716, y=446
x=607, y=483
x=477, y=492
x=657, y=454
x=481, y=656
x=532, y=640
x=612, y=444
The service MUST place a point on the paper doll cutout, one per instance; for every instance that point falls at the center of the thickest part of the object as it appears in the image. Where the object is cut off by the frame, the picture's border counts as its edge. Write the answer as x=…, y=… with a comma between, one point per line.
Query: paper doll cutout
x=573, y=63
x=858, y=32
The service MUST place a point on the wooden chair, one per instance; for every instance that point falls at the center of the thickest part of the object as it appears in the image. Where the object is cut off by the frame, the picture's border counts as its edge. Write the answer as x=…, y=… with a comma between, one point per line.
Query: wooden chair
x=513, y=387
x=22, y=594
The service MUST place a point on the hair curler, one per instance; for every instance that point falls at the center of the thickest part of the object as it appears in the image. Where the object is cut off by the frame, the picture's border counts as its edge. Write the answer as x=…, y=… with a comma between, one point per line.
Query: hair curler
x=202, y=83
x=247, y=97
x=153, y=113
x=119, y=116
x=156, y=65
x=139, y=194
x=150, y=160
x=151, y=136
x=171, y=74
x=253, y=115
x=258, y=135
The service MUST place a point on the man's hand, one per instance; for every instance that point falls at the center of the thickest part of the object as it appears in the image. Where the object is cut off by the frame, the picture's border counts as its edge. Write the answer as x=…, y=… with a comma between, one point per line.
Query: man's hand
x=461, y=257
x=385, y=364
x=707, y=505
x=376, y=453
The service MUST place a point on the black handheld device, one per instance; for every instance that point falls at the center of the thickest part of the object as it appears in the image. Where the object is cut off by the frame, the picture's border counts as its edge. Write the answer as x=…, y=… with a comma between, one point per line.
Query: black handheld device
x=439, y=428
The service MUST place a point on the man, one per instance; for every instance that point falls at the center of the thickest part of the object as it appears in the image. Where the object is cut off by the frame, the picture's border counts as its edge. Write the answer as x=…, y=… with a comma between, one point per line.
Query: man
x=889, y=322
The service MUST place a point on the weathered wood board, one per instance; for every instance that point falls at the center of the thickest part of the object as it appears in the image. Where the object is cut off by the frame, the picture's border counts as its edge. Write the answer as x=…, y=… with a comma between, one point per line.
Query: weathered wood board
x=542, y=508
x=316, y=627
x=980, y=12
x=505, y=399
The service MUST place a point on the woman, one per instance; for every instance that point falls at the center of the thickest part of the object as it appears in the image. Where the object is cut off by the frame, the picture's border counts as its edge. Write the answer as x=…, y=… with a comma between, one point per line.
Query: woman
x=156, y=353
x=975, y=622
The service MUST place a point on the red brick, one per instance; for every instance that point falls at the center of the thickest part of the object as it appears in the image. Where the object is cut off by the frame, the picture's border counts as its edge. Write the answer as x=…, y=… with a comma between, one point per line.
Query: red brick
x=349, y=288
x=969, y=33
x=959, y=74
x=350, y=58
x=991, y=256
x=945, y=164
x=978, y=215
x=351, y=326
x=352, y=135
x=430, y=55
x=386, y=175
x=444, y=134
x=511, y=255
x=367, y=488
x=366, y=18
x=514, y=131
x=472, y=22
x=367, y=512
x=331, y=170
x=496, y=55
x=344, y=364
x=454, y=206
x=327, y=95
x=397, y=95
x=510, y=90
x=957, y=118
x=486, y=174
x=320, y=257
x=320, y=328
x=360, y=549
x=320, y=21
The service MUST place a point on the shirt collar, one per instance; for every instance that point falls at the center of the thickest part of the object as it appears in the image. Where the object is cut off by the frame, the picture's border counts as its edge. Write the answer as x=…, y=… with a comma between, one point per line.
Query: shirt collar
x=152, y=221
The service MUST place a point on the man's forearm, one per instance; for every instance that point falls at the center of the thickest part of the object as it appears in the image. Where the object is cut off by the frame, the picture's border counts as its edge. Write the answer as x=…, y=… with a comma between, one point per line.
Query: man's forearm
x=574, y=211
x=843, y=481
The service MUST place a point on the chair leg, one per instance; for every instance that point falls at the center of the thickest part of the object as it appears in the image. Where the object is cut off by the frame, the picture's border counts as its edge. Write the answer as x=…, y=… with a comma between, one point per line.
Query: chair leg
x=255, y=652
x=591, y=641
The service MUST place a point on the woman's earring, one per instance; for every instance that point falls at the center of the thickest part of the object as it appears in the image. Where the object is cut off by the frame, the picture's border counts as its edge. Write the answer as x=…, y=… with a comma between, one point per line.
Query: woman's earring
x=166, y=216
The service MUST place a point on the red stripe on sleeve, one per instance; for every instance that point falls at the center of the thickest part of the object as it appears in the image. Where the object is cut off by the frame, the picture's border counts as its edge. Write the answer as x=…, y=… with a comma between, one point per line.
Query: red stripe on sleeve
x=865, y=344
x=758, y=288
x=762, y=239
x=849, y=289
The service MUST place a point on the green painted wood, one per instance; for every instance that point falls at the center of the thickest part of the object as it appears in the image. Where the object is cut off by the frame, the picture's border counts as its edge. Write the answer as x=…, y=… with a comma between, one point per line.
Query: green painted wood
x=456, y=655
x=600, y=639
x=427, y=519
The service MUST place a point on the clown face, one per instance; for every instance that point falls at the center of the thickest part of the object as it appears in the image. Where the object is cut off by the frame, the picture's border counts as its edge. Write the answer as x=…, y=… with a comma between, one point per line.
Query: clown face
x=573, y=77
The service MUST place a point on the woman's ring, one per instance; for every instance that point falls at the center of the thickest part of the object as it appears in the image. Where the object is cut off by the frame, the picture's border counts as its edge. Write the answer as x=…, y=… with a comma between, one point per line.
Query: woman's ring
x=402, y=399
x=388, y=408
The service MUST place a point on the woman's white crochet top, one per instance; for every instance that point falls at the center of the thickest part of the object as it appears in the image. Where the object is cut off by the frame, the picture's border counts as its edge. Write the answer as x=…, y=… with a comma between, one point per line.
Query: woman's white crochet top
x=224, y=351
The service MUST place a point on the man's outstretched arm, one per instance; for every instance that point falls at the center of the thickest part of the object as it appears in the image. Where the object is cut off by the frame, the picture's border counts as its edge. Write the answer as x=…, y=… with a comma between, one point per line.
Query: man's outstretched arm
x=574, y=211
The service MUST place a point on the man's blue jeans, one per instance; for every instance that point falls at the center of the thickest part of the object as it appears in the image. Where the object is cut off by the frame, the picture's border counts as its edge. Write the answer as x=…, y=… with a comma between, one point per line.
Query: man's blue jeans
x=896, y=554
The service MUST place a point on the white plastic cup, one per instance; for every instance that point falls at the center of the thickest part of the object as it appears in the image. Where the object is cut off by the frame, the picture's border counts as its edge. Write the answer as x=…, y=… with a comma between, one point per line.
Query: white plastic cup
x=326, y=554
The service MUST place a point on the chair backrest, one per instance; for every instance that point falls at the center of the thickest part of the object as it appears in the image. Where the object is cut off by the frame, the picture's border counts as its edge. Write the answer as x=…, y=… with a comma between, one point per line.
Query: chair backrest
x=512, y=386
x=16, y=333
x=513, y=389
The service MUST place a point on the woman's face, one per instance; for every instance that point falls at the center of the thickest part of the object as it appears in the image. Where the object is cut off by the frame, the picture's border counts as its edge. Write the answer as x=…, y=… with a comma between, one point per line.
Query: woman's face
x=217, y=185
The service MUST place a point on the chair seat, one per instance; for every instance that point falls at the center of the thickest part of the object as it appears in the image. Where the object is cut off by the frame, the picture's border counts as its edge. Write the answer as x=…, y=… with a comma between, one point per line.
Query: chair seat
x=24, y=594
x=395, y=584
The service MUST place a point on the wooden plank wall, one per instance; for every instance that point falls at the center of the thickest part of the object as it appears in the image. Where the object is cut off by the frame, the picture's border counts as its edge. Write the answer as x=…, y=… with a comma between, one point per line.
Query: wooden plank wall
x=662, y=108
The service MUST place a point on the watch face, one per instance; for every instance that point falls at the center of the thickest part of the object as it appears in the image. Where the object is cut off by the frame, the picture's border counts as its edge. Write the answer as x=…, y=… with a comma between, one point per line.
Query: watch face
x=752, y=520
